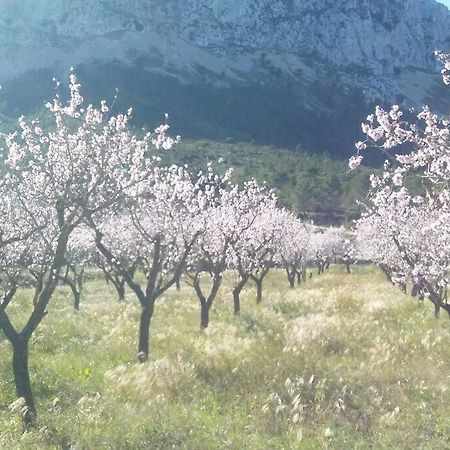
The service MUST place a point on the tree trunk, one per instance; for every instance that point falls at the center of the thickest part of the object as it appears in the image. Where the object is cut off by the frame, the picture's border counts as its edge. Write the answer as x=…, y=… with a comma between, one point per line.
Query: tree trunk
x=79, y=281
x=236, y=303
x=178, y=284
x=204, y=315
x=291, y=281
x=38, y=288
x=258, y=283
x=19, y=341
x=120, y=287
x=446, y=307
x=206, y=302
x=290, y=277
x=75, y=292
x=387, y=272
x=8, y=297
x=437, y=310
x=75, y=281
x=347, y=266
x=144, y=331
x=22, y=379
x=237, y=293
x=76, y=302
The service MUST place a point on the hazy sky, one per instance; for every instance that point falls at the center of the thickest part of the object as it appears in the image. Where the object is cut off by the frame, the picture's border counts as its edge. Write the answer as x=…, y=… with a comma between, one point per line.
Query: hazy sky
x=445, y=2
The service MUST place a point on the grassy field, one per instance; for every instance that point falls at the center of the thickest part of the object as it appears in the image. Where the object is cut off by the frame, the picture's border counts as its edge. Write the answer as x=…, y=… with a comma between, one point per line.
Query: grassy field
x=344, y=361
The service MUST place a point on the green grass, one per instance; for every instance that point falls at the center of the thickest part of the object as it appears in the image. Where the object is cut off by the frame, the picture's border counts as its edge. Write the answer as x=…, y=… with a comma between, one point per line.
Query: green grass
x=344, y=361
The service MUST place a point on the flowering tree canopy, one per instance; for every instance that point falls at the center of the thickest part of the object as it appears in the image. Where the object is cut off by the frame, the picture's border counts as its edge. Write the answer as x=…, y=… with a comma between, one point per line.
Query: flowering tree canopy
x=56, y=178
x=406, y=229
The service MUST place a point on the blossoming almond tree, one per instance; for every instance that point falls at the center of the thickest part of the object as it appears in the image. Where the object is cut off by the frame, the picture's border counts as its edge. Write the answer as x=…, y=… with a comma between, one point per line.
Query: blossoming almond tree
x=293, y=252
x=112, y=274
x=242, y=207
x=84, y=163
x=253, y=252
x=347, y=250
x=411, y=242
x=413, y=238
x=155, y=231
x=266, y=240
x=79, y=254
x=207, y=261
x=325, y=243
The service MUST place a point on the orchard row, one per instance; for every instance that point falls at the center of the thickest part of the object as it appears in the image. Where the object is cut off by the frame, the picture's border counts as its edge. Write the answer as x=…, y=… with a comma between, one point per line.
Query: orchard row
x=87, y=192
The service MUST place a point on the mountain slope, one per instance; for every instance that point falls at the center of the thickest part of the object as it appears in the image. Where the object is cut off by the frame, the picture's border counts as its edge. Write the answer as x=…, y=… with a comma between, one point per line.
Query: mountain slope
x=285, y=72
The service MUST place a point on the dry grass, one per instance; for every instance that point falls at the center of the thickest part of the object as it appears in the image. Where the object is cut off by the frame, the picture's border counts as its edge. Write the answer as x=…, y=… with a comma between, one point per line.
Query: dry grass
x=344, y=361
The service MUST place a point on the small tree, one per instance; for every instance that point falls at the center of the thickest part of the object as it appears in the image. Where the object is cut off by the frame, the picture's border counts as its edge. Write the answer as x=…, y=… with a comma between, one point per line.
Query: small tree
x=79, y=255
x=253, y=252
x=207, y=261
x=155, y=230
x=242, y=208
x=293, y=251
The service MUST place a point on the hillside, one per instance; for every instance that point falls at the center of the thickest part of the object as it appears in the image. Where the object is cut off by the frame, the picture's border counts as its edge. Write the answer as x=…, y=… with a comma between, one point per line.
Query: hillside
x=315, y=186
x=287, y=73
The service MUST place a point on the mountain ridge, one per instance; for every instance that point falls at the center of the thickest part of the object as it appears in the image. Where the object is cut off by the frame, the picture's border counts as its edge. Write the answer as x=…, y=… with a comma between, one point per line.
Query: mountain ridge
x=316, y=57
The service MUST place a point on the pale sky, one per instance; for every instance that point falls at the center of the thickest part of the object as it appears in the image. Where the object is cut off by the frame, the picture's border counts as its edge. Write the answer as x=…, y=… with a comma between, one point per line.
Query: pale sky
x=445, y=2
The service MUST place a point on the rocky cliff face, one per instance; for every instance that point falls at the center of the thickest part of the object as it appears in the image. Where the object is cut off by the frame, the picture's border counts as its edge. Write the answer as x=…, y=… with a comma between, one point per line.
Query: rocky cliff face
x=319, y=52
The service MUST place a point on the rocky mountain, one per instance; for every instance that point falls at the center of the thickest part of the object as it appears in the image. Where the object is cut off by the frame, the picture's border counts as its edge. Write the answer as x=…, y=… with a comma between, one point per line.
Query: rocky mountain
x=285, y=72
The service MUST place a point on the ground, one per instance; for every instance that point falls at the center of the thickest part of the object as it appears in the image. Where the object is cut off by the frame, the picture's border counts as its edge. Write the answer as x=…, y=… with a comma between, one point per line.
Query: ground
x=343, y=361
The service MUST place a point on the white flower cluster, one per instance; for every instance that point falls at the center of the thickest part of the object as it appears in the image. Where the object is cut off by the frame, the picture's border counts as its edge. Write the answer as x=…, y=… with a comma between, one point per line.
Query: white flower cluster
x=406, y=227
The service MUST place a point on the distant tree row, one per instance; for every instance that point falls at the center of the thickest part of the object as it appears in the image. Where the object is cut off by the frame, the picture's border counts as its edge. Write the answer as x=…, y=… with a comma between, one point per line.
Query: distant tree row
x=315, y=186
